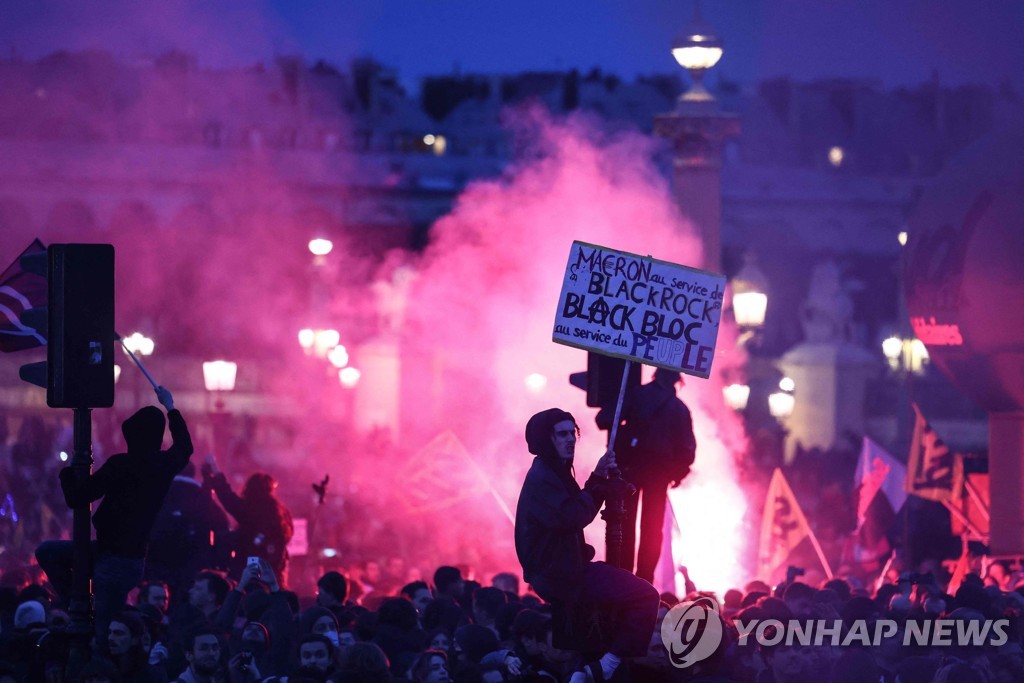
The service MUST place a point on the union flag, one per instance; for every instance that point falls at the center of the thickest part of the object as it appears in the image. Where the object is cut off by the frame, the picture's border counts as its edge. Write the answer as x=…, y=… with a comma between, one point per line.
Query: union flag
x=20, y=291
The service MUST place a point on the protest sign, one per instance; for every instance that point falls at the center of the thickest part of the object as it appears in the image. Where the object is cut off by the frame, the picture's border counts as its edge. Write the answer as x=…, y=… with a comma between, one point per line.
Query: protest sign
x=639, y=308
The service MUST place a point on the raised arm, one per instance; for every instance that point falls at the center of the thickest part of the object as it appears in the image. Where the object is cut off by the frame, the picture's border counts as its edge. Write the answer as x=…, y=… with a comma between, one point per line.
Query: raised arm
x=181, y=441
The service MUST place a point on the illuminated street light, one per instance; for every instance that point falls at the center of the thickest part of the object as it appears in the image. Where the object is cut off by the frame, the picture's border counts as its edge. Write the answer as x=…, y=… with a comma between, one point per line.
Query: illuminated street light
x=736, y=396
x=219, y=375
x=319, y=342
x=781, y=404
x=338, y=356
x=536, y=382
x=749, y=294
x=836, y=155
x=697, y=48
x=320, y=246
x=139, y=344
x=909, y=355
x=349, y=377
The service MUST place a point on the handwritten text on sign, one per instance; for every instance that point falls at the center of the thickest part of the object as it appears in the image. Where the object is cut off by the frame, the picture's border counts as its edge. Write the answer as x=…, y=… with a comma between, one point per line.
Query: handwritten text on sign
x=639, y=308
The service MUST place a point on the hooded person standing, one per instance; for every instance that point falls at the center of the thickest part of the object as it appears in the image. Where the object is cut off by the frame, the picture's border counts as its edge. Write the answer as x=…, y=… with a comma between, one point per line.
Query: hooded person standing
x=553, y=511
x=133, y=486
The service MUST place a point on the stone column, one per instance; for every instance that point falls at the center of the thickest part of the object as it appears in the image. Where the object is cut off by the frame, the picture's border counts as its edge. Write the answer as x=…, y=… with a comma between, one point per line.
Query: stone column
x=698, y=132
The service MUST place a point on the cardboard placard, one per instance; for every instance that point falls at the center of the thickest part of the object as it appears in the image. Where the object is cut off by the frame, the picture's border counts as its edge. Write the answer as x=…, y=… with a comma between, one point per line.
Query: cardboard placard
x=639, y=308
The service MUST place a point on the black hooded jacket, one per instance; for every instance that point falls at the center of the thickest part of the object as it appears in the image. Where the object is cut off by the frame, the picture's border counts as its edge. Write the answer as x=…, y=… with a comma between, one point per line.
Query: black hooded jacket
x=132, y=484
x=552, y=513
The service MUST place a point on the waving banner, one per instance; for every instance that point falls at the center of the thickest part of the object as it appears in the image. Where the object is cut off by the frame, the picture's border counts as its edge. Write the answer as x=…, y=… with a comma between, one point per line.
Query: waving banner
x=639, y=308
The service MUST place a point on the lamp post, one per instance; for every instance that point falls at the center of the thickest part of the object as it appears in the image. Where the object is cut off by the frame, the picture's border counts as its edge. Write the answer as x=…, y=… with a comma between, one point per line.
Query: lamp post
x=218, y=378
x=750, y=294
x=698, y=131
x=697, y=48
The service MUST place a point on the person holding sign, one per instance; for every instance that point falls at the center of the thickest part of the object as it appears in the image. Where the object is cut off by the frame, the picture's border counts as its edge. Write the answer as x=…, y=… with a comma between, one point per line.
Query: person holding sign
x=655, y=447
x=553, y=511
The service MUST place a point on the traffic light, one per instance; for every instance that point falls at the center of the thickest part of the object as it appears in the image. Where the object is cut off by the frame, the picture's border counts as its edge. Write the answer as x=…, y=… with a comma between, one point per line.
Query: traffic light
x=603, y=378
x=78, y=324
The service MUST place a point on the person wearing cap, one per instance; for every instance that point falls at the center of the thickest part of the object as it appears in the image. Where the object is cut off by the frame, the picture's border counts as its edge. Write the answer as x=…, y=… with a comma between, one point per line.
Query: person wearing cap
x=552, y=512
x=133, y=486
x=655, y=448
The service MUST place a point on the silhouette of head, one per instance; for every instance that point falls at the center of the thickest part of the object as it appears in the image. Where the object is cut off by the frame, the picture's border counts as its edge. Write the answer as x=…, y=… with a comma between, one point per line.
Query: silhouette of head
x=259, y=486
x=144, y=431
x=668, y=378
x=539, y=431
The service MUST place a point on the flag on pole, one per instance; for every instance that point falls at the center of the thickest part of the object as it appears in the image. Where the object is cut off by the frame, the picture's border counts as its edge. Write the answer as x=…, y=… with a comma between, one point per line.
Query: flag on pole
x=20, y=291
x=879, y=479
x=933, y=471
x=783, y=528
x=440, y=475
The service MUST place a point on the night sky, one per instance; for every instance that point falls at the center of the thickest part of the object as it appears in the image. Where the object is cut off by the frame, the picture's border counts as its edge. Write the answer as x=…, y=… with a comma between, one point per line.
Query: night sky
x=896, y=41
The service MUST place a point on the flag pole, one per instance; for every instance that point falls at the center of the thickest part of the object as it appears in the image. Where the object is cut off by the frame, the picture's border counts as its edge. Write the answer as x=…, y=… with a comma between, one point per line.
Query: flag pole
x=821, y=554
x=134, y=358
x=885, y=570
x=976, y=497
x=490, y=487
x=618, y=411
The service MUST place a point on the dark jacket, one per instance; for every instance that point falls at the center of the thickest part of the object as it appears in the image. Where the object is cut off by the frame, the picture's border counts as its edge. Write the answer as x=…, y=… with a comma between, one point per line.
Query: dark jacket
x=264, y=527
x=132, y=484
x=656, y=443
x=191, y=527
x=550, y=518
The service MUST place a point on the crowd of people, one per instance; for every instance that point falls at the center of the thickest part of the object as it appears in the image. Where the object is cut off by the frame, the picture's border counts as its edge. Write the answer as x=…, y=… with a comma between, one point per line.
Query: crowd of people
x=245, y=627
x=171, y=605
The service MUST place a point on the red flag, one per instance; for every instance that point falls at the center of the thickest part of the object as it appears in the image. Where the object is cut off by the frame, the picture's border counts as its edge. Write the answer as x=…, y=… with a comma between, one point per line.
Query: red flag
x=783, y=528
x=933, y=471
x=880, y=479
x=20, y=291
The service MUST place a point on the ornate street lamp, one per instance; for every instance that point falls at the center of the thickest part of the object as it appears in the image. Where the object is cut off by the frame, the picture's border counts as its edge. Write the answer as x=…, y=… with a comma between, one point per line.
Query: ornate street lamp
x=750, y=294
x=697, y=48
x=219, y=377
x=698, y=131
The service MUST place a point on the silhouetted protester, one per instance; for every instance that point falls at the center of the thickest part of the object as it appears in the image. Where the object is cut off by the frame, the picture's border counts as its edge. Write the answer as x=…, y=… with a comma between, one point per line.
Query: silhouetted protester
x=556, y=560
x=190, y=527
x=264, y=523
x=654, y=447
x=133, y=486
